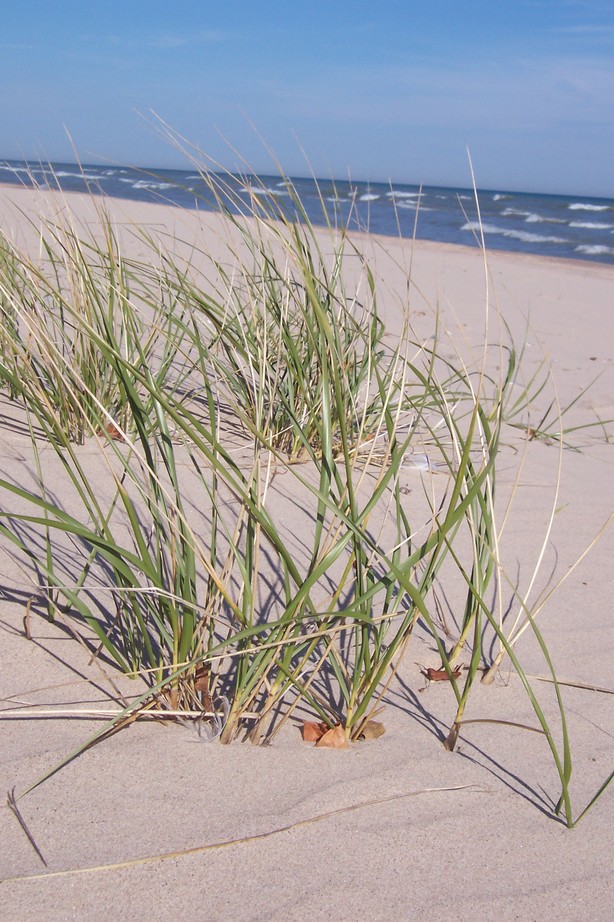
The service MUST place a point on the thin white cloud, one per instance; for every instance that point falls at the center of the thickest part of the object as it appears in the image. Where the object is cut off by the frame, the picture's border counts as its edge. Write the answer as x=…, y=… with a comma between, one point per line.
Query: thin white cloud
x=522, y=94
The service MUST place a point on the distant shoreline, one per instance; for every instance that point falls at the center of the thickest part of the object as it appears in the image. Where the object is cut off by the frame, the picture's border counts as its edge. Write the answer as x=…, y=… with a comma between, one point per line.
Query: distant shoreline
x=422, y=243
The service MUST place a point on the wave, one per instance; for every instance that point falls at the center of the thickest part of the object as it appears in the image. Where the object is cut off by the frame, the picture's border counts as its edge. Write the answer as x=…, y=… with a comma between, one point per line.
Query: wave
x=591, y=225
x=415, y=206
x=395, y=194
x=501, y=197
x=507, y=232
x=531, y=217
x=540, y=219
x=50, y=172
x=65, y=174
x=581, y=206
x=259, y=190
x=19, y=169
x=368, y=197
x=146, y=184
x=256, y=190
x=595, y=250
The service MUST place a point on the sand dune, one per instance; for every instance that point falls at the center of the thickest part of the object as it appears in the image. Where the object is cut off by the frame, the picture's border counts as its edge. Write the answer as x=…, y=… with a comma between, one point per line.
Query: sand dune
x=153, y=823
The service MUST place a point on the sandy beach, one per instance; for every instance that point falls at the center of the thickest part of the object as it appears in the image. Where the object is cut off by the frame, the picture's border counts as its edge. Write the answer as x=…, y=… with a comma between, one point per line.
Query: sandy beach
x=154, y=823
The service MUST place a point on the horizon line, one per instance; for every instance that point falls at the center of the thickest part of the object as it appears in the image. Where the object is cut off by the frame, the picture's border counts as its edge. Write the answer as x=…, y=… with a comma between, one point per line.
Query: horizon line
x=156, y=169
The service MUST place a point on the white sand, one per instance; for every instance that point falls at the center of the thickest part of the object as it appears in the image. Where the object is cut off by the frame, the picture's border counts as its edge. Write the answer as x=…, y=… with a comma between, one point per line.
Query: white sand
x=397, y=828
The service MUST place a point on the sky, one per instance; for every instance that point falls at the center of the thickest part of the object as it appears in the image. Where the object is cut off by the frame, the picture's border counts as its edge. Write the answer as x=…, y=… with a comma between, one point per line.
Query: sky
x=369, y=89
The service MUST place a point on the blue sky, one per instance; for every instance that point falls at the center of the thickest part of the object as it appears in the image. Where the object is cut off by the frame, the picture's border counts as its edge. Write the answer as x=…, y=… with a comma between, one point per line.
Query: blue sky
x=375, y=89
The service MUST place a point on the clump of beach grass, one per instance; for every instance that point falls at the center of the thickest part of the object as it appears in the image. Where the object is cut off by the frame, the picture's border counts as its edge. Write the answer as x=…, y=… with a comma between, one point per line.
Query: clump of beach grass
x=213, y=397
x=63, y=308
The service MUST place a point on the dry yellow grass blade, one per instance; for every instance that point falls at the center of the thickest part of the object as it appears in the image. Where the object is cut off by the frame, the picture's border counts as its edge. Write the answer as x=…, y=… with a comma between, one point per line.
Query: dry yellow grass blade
x=199, y=849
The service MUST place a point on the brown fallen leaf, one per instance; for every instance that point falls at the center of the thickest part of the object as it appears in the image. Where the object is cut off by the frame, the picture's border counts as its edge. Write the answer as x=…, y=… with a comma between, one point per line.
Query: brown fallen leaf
x=440, y=675
x=333, y=739
x=112, y=431
x=313, y=730
x=372, y=730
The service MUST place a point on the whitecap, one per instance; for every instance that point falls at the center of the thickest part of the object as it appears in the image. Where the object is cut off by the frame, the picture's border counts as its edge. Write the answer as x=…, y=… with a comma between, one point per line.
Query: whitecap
x=540, y=219
x=500, y=197
x=580, y=206
x=396, y=194
x=18, y=169
x=144, y=184
x=259, y=190
x=64, y=174
x=507, y=232
x=415, y=206
x=368, y=197
x=591, y=225
x=595, y=250
x=255, y=190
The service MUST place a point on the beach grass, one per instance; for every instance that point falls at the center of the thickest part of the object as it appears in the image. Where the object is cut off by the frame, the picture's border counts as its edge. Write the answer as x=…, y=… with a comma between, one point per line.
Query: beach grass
x=233, y=432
